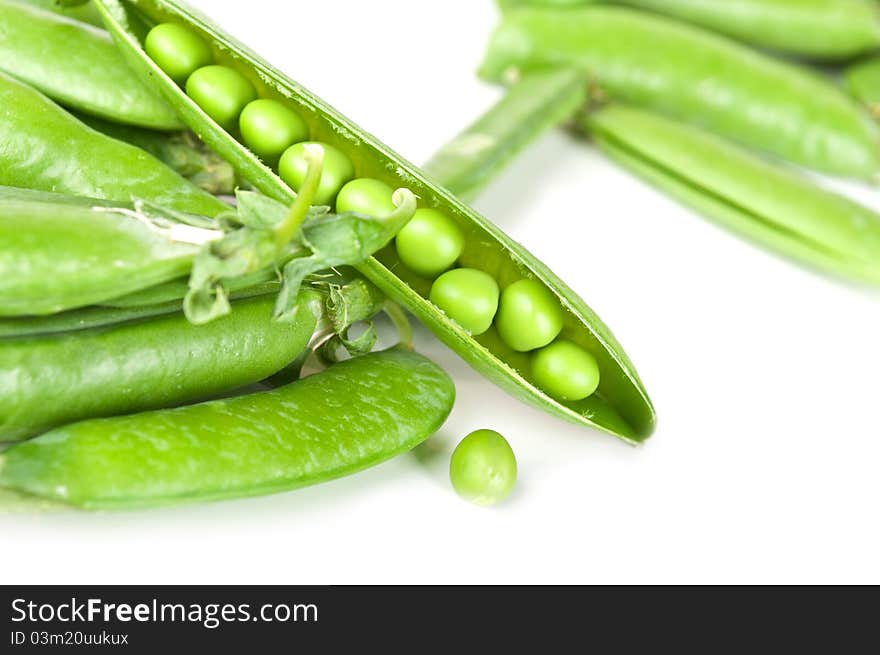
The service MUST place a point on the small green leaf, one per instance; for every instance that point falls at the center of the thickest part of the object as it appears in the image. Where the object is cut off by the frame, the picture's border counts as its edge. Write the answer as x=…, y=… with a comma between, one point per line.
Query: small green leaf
x=268, y=230
x=258, y=211
x=360, y=345
x=340, y=240
x=353, y=301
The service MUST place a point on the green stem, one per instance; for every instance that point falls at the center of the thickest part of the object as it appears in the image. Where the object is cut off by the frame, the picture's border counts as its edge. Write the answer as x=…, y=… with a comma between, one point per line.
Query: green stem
x=287, y=229
x=537, y=103
x=406, y=204
x=401, y=323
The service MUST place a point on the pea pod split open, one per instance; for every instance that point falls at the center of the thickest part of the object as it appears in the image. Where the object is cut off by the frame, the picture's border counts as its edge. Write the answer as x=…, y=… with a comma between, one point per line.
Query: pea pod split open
x=621, y=405
x=694, y=75
x=354, y=415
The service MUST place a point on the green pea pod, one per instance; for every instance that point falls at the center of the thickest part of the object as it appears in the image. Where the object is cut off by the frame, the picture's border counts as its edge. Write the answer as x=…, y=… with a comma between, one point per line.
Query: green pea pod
x=620, y=406
x=42, y=147
x=55, y=257
x=816, y=29
x=696, y=76
x=182, y=152
x=81, y=319
x=264, y=281
x=158, y=362
x=765, y=203
x=710, y=184
x=385, y=404
x=81, y=11
x=24, y=194
x=863, y=83
x=155, y=301
x=529, y=108
x=76, y=65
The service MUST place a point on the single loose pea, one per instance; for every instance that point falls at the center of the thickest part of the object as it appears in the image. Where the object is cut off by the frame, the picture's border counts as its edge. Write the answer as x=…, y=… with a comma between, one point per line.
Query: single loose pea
x=565, y=371
x=177, y=50
x=430, y=243
x=366, y=196
x=222, y=92
x=529, y=316
x=483, y=468
x=468, y=296
x=269, y=127
x=338, y=170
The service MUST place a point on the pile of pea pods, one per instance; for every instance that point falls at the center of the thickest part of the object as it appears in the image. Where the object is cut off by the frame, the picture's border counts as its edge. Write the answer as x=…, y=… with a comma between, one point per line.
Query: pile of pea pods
x=187, y=232
x=718, y=104
x=184, y=234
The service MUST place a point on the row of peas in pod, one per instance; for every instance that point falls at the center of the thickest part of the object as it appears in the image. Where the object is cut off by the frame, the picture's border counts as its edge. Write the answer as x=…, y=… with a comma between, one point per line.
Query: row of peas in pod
x=527, y=317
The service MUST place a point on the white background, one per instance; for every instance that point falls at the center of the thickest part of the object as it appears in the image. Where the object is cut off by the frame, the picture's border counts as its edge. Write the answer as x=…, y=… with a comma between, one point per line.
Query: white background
x=764, y=467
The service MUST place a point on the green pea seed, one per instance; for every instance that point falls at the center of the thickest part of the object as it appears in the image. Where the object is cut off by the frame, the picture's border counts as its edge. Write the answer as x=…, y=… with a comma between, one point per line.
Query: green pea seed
x=366, y=196
x=222, y=92
x=529, y=316
x=468, y=296
x=269, y=127
x=177, y=51
x=565, y=371
x=483, y=468
x=430, y=243
x=338, y=170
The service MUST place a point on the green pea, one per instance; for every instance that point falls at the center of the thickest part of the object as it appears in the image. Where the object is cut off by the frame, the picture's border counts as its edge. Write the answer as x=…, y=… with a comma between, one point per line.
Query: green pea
x=529, y=316
x=269, y=127
x=338, y=170
x=565, y=371
x=430, y=243
x=177, y=51
x=366, y=196
x=468, y=296
x=483, y=468
x=222, y=92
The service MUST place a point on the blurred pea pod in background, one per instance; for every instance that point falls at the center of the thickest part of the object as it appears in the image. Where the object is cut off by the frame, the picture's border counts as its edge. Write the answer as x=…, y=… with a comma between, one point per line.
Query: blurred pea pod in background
x=823, y=30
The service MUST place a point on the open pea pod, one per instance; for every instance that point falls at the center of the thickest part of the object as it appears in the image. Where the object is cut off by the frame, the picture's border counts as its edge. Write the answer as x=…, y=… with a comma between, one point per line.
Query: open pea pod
x=620, y=406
